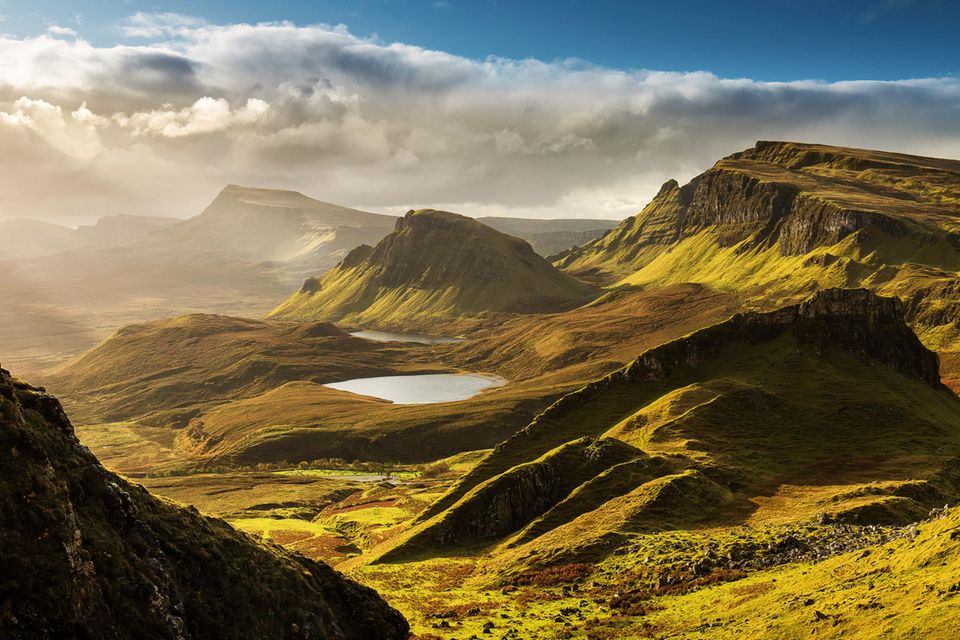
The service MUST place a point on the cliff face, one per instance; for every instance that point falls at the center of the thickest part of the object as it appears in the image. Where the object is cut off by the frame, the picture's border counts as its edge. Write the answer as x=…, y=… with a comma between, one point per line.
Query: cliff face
x=835, y=388
x=784, y=219
x=436, y=267
x=793, y=197
x=84, y=554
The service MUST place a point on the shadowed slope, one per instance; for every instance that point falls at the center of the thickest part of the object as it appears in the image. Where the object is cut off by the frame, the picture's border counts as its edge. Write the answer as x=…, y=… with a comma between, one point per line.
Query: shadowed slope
x=85, y=554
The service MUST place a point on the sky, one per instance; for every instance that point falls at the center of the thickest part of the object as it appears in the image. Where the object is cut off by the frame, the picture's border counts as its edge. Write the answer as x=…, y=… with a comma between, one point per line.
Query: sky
x=569, y=108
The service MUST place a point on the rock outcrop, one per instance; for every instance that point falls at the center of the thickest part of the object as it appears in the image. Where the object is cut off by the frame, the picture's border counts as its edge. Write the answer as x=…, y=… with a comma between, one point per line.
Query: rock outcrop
x=84, y=554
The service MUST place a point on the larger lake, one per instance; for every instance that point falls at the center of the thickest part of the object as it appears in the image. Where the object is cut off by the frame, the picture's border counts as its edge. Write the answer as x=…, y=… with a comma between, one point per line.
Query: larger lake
x=420, y=389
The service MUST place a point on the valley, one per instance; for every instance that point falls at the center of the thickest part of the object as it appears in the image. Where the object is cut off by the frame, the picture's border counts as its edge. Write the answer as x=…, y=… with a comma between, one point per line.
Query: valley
x=731, y=415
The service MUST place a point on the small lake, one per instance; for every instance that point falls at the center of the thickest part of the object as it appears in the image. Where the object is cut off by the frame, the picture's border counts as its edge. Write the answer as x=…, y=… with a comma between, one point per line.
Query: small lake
x=420, y=389
x=386, y=336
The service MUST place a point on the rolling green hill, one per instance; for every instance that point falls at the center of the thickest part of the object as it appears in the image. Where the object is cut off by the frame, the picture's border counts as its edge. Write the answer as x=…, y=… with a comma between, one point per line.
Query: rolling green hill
x=436, y=269
x=85, y=554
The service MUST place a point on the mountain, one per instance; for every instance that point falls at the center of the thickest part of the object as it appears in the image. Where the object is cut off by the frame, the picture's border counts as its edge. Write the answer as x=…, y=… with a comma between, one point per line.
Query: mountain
x=435, y=268
x=548, y=237
x=24, y=238
x=238, y=257
x=118, y=230
x=85, y=554
x=784, y=219
x=298, y=233
x=831, y=406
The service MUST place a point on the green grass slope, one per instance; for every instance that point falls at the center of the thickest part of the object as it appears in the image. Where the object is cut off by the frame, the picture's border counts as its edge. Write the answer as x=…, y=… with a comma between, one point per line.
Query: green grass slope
x=782, y=220
x=84, y=554
x=435, y=269
x=832, y=407
x=164, y=373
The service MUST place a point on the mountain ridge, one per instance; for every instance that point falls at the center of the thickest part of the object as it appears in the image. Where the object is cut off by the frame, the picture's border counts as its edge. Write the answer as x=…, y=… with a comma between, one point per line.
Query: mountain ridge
x=709, y=407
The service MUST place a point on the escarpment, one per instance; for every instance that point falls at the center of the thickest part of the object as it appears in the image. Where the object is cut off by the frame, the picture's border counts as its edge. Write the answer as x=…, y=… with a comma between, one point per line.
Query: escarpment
x=794, y=198
x=838, y=383
x=85, y=554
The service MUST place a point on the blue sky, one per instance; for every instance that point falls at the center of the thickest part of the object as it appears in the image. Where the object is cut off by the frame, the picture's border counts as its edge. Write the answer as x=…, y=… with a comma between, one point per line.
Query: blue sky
x=527, y=109
x=759, y=39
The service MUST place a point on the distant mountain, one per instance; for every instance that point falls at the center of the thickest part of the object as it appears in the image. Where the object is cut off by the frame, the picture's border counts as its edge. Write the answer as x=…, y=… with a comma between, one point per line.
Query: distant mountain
x=548, y=237
x=269, y=225
x=435, y=268
x=23, y=238
x=115, y=231
x=836, y=392
x=241, y=255
x=85, y=554
x=782, y=220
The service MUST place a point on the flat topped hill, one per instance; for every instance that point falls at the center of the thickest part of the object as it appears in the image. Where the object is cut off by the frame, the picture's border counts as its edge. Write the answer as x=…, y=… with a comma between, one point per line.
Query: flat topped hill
x=835, y=398
x=435, y=267
x=781, y=220
x=797, y=198
x=86, y=554
x=273, y=225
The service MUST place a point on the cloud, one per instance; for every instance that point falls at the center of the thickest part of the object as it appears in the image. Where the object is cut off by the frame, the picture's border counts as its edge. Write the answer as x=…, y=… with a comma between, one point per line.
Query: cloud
x=73, y=135
x=206, y=115
x=155, y=25
x=390, y=126
x=57, y=30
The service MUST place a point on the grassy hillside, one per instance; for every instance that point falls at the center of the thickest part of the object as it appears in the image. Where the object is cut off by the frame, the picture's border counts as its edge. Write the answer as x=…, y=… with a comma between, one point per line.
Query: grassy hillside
x=830, y=395
x=782, y=220
x=86, y=554
x=436, y=269
x=214, y=389
x=165, y=372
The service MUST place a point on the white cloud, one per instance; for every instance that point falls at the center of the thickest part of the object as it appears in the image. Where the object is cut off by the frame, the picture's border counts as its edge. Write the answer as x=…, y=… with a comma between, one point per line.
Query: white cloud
x=388, y=126
x=74, y=136
x=57, y=30
x=206, y=115
x=156, y=25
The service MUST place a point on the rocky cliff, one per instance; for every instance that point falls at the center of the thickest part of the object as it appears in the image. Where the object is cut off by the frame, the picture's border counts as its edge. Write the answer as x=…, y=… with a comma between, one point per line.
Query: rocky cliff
x=84, y=554
x=796, y=198
x=781, y=220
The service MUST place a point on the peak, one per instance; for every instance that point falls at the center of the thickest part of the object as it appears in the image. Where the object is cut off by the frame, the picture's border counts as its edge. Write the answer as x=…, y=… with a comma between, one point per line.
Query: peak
x=434, y=218
x=236, y=190
x=668, y=186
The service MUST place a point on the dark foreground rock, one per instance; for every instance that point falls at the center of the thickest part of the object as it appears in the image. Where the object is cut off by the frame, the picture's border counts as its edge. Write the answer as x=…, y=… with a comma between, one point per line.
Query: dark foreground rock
x=84, y=554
